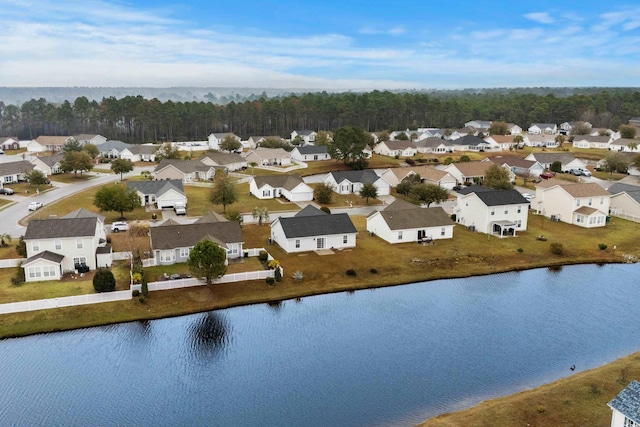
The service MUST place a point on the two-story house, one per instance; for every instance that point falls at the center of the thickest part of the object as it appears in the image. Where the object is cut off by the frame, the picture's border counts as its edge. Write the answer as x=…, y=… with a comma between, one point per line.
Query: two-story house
x=583, y=204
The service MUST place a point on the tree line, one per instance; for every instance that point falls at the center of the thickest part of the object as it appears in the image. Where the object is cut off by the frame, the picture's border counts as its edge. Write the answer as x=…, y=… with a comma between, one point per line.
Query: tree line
x=135, y=119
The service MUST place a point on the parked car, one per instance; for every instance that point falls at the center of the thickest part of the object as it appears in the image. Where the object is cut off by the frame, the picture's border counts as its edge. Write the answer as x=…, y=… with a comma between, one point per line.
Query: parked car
x=7, y=191
x=546, y=175
x=585, y=172
x=180, y=209
x=576, y=172
x=528, y=196
x=119, y=226
x=34, y=206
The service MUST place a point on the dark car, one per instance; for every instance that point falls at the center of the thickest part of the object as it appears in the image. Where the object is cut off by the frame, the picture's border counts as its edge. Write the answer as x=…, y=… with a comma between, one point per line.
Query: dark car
x=7, y=191
x=546, y=175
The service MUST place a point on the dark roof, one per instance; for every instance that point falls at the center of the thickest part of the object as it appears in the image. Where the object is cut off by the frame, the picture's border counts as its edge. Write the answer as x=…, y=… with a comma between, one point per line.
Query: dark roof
x=470, y=140
x=14, y=168
x=51, y=160
x=632, y=190
x=142, y=149
x=288, y=182
x=513, y=161
x=364, y=176
x=546, y=158
x=432, y=141
x=113, y=144
x=401, y=215
x=304, y=132
x=84, y=213
x=157, y=187
x=184, y=166
x=61, y=227
x=493, y=197
x=313, y=222
x=312, y=149
x=49, y=256
x=627, y=401
x=187, y=235
x=211, y=217
x=103, y=249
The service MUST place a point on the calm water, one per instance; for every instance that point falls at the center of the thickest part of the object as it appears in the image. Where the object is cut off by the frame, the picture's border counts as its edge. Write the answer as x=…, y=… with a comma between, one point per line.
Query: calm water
x=392, y=356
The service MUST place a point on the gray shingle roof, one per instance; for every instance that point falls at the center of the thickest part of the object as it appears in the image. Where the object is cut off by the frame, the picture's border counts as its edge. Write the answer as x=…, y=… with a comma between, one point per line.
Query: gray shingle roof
x=470, y=140
x=143, y=149
x=113, y=144
x=313, y=222
x=185, y=166
x=364, y=176
x=51, y=160
x=401, y=215
x=632, y=190
x=303, y=132
x=627, y=401
x=187, y=235
x=13, y=168
x=157, y=187
x=84, y=213
x=61, y=227
x=49, y=256
x=288, y=182
x=547, y=158
x=225, y=158
x=432, y=142
x=312, y=149
x=493, y=197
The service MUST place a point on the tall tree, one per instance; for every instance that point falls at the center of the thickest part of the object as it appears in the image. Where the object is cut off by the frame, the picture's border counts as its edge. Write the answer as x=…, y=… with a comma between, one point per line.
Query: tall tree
x=116, y=198
x=348, y=145
x=223, y=191
x=168, y=151
x=615, y=162
x=76, y=161
x=91, y=150
x=627, y=131
x=36, y=177
x=498, y=128
x=230, y=143
x=121, y=166
x=207, y=260
x=260, y=213
x=497, y=177
x=72, y=145
x=369, y=191
x=428, y=194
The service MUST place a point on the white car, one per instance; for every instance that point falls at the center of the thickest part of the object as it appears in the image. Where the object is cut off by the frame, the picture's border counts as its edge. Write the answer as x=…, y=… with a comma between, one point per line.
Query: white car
x=528, y=196
x=119, y=226
x=34, y=206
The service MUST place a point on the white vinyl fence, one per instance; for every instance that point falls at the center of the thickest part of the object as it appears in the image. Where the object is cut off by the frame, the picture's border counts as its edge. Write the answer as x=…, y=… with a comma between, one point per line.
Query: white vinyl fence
x=43, y=304
x=9, y=263
x=227, y=278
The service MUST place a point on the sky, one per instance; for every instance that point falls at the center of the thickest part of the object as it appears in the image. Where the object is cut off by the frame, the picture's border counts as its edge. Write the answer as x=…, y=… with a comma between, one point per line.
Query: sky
x=326, y=45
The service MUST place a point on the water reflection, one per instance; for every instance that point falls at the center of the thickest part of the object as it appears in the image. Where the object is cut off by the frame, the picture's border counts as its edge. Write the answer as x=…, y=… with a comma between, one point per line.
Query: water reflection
x=275, y=305
x=555, y=268
x=209, y=335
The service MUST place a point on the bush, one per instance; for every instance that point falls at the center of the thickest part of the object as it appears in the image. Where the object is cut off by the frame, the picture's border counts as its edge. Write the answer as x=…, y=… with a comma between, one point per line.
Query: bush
x=325, y=209
x=410, y=162
x=141, y=298
x=263, y=255
x=270, y=281
x=278, y=275
x=350, y=272
x=103, y=281
x=373, y=271
x=602, y=246
x=135, y=293
x=297, y=276
x=557, y=248
x=541, y=409
x=145, y=287
x=273, y=264
x=520, y=250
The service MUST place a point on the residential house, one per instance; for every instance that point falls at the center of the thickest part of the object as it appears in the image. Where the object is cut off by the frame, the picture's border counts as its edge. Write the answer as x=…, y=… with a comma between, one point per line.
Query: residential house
x=184, y=170
x=291, y=187
x=140, y=153
x=367, y=151
x=541, y=140
x=588, y=141
x=634, y=121
x=625, y=145
x=230, y=161
x=48, y=143
x=171, y=243
x=470, y=172
x=479, y=125
x=491, y=211
x=166, y=193
x=49, y=165
x=540, y=128
x=625, y=407
x=518, y=165
x=86, y=138
x=567, y=160
x=402, y=222
x=628, y=158
x=254, y=141
x=400, y=148
x=459, y=133
x=625, y=201
x=306, y=136
x=112, y=148
x=424, y=133
x=566, y=127
x=312, y=229
x=433, y=145
x=582, y=204
x=9, y=143
x=55, y=246
x=11, y=172
x=268, y=157
x=500, y=142
x=514, y=129
x=470, y=143
x=216, y=138
x=352, y=181
x=428, y=175
x=310, y=153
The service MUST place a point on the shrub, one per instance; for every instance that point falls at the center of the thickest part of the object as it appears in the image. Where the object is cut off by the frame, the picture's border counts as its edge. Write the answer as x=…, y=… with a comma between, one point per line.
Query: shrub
x=297, y=276
x=141, y=298
x=557, y=248
x=135, y=293
x=278, y=275
x=270, y=281
x=350, y=272
x=410, y=162
x=103, y=281
x=373, y=271
x=263, y=255
x=273, y=264
x=145, y=287
x=520, y=250
x=602, y=246
x=325, y=209
x=541, y=409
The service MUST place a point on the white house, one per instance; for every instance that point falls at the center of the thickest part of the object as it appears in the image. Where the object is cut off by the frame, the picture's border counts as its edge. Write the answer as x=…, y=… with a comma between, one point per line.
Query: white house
x=352, y=181
x=518, y=165
x=171, y=243
x=230, y=161
x=48, y=165
x=470, y=172
x=582, y=204
x=268, y=157
x=514, y=129
x=14, y=171
x=433, y=145
x=541, y=140
x=307, y=136
x=291, y=187
x=480, y=125
x=9, y=143
x=312, y=229
x=184, y=170
x=588, y=141
x=55, y=246
x=470, y=143
x=310, y=153
x=625, y=145
x=490, y=211
x=48, y=143
x=216, y=138
x=86, y=138
x=567, y=160
x=539, y=128
x=255, y=141
x=400, y=148
x=625, y=201
x=402, y=222
x=166, y=193
x=625, y=406
x=139, y=153
x=428, y=175
x=500, y=142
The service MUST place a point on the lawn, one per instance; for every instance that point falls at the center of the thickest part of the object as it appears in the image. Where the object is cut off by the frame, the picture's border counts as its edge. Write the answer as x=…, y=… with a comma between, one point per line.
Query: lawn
x=24, y=189
x=67, y=178
x=347, y=200
x=5, y=202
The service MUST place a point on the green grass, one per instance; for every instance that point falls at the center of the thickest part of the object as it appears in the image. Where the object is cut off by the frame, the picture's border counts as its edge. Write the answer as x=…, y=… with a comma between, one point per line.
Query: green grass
x=347, y=200
x=22, y=188
x=5, y=202
x=68, y=178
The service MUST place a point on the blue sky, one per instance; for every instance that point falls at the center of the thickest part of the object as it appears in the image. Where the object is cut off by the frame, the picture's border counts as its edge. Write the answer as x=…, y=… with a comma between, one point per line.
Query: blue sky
x=333, y=45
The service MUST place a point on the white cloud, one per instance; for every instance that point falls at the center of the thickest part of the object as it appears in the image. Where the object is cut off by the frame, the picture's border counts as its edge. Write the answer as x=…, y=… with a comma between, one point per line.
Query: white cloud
x=393, y=31
x=540, y=17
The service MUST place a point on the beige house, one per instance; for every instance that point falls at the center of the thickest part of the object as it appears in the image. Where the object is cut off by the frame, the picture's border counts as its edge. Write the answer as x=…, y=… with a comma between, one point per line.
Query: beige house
x=268, y=157
x=582, y=204
x=625, y=201
x=230, y=161
x=49, y=165
x=48, y=143
x=184, y=170
x=400, y=148
x=428, y=175
x=470, y=172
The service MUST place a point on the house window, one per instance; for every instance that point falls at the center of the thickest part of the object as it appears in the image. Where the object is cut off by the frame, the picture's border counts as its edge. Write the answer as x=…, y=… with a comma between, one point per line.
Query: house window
x=506, y=210
x=79, y=260
x=345, y=239
x=590, y=201
x=184, y=252
x=58, y=245
x=49, y=271
x=35, y=272
x=592, y=220
x=577, y=202
x=399, y=235
x=167, y=255
x=493, y=211
x=579, y=218
x=601, y=200
x=442, y=231
x=519, y=208
x=518, y=223
x=629, y=423
x=266, y=193
x=79, y=244
x=35, y=246
x=297, y=243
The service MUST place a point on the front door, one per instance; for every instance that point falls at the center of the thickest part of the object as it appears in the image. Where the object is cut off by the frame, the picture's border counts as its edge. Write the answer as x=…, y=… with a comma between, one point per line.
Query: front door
x=320, y=243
